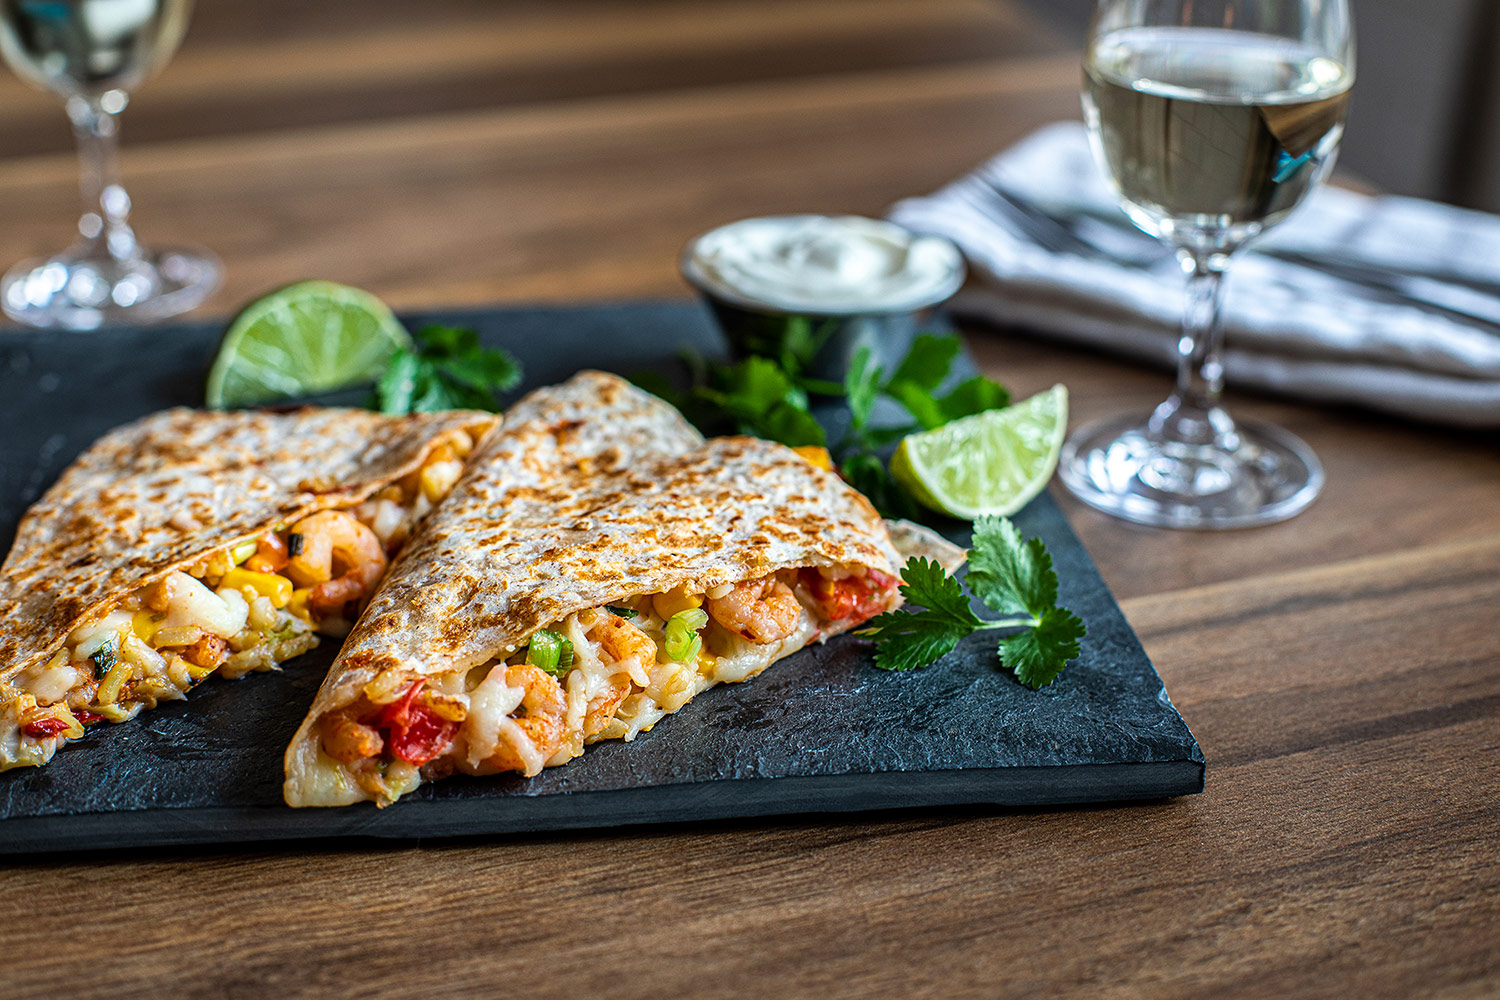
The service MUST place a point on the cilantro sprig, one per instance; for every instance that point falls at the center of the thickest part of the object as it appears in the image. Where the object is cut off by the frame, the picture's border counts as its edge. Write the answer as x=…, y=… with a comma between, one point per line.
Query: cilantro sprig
x=770, y=395
x=446, y=369
x=1013, y=576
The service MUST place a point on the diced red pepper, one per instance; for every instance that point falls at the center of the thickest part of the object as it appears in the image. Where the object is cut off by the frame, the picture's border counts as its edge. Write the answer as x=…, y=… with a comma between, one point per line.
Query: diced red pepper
x=854, y=597
x=86, y=717
x=413, y=731
x=44, y=727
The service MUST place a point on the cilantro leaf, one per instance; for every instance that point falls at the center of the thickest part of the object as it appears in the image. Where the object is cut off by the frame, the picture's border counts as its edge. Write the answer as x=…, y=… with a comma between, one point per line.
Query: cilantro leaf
x=1010, y=574
x=861, y=383
x=869, y=475
x=909, y=639
x=759, y=398
x=792, y=426
x=906, y=640
x=439, y=341
x=927, y=365
x=445, y=369
x=925, y=583
x=971, y=396
x=800, y=342
x=398, y=383
x=928, y=362
x=919, y=402
x=1039, y=654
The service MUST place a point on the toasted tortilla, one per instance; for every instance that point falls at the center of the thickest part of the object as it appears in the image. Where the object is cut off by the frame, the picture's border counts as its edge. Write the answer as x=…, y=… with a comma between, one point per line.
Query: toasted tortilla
x=593, y=492
x=156, y=495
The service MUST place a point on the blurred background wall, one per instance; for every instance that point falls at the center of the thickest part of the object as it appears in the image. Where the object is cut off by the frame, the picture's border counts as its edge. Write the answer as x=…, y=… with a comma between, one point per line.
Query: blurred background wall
x=1425, y=118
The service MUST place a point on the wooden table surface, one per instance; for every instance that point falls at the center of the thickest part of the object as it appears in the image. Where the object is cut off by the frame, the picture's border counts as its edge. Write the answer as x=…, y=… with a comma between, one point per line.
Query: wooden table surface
x=1342, y=671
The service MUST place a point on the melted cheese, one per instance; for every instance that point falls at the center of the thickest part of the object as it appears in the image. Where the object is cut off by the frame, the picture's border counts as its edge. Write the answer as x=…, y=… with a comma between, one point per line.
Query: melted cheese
x=490, y=706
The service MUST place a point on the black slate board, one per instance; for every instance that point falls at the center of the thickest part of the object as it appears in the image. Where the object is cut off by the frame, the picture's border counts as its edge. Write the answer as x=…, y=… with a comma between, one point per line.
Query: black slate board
x=824, y=731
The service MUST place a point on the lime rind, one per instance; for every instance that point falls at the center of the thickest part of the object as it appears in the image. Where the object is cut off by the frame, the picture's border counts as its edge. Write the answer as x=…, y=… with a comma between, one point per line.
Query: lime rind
x=991, y=463
x=311, y=337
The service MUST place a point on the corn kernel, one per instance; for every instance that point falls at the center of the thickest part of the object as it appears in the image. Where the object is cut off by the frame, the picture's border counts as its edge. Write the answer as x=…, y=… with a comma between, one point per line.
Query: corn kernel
x=272, y=586
x=675, y=600
x=146, y=624
x=109, y=688
x=178, y=635
x=196, y=672
x=112, y=712
x=438, y=478
x=815, y=455
x=297, y=604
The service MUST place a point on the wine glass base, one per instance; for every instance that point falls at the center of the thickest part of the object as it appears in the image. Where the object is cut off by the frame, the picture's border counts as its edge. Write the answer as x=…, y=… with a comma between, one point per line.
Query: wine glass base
x=82, y=292
x=1120, y=467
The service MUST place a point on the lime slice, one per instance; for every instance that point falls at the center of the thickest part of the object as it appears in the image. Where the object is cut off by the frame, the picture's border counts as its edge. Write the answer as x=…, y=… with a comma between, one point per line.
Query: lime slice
x=990, y=463
x=307, y=338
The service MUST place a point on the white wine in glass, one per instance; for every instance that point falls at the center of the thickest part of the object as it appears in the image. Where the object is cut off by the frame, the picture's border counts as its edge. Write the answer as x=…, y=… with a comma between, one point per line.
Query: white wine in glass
x=1213, y=119
x=91, y=53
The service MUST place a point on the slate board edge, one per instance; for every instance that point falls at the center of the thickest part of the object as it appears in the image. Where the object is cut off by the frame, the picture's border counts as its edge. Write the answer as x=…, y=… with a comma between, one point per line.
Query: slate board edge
x=1014, y=787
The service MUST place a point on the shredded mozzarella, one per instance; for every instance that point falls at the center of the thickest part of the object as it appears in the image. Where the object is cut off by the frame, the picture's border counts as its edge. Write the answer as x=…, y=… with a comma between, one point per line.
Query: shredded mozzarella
x=86, y=641
x=490, y=705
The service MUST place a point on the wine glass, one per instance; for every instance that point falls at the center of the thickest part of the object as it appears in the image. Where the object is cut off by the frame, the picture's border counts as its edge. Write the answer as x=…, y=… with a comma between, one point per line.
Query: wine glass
x=91, y=53
x=1212, y=118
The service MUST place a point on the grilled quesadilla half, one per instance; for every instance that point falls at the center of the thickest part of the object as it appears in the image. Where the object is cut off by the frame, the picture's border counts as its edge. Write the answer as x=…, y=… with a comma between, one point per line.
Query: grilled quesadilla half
x=598, y=566
x=191, y=543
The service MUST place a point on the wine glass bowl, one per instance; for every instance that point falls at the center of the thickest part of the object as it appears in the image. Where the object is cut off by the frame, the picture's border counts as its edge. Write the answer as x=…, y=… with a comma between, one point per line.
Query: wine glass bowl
x=91, y=53
x=1212, y=119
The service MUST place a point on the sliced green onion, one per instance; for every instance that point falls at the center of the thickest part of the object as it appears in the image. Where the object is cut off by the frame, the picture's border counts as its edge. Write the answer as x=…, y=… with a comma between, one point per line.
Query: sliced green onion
x=103, y=658
x=294, y=544
x=615, y=609
x=550, y=651
x=243, y=551
x=682, y=639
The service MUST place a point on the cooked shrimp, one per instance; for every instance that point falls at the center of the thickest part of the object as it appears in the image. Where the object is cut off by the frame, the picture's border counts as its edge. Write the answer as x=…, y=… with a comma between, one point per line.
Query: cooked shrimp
x=270, y=554
x=622, y=641
x=348, y=740
x=763, y=611
x=331, y=536
x=544, y=720
x=209, y=651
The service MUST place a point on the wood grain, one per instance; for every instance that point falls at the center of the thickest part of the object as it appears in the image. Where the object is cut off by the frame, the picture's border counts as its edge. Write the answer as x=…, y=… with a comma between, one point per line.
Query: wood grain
x=1342, y=671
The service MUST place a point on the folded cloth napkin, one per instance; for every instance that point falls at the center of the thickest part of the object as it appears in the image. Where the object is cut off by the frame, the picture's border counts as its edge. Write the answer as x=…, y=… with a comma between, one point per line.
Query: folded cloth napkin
x=1288, y=328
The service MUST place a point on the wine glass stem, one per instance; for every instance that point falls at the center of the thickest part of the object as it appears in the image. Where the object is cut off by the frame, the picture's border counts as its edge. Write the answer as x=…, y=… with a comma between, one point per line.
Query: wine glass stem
x=1200, y=373
x=105, y=223
x=1192, y=415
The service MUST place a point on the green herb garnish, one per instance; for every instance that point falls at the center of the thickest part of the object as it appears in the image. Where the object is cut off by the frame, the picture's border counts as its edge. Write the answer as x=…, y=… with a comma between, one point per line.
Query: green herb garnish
x=446, y=369
x=622, y=612
x=1011, y=575
x=768, y=395
x=551, y=652
x=103, y=659
x=294, y=543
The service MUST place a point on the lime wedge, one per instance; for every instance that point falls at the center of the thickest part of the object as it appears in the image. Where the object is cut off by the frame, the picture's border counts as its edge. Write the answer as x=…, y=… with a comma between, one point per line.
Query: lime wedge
x=307, y=338
x=990, y=463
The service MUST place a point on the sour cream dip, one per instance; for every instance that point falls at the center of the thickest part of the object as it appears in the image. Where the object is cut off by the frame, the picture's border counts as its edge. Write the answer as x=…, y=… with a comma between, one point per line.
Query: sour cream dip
x=829, y=265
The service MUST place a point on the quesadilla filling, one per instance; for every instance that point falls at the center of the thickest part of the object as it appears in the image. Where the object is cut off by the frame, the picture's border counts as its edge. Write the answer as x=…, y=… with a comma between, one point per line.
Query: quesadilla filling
x=246, y=608
x=608, y=672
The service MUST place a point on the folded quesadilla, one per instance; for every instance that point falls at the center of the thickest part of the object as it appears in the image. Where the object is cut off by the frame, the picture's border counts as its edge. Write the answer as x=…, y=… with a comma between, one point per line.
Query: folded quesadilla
x=597, y=566
x=191, y=543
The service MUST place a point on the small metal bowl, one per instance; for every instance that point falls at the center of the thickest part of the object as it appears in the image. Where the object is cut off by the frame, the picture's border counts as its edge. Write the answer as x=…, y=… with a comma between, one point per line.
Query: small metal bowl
x=754, y=327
